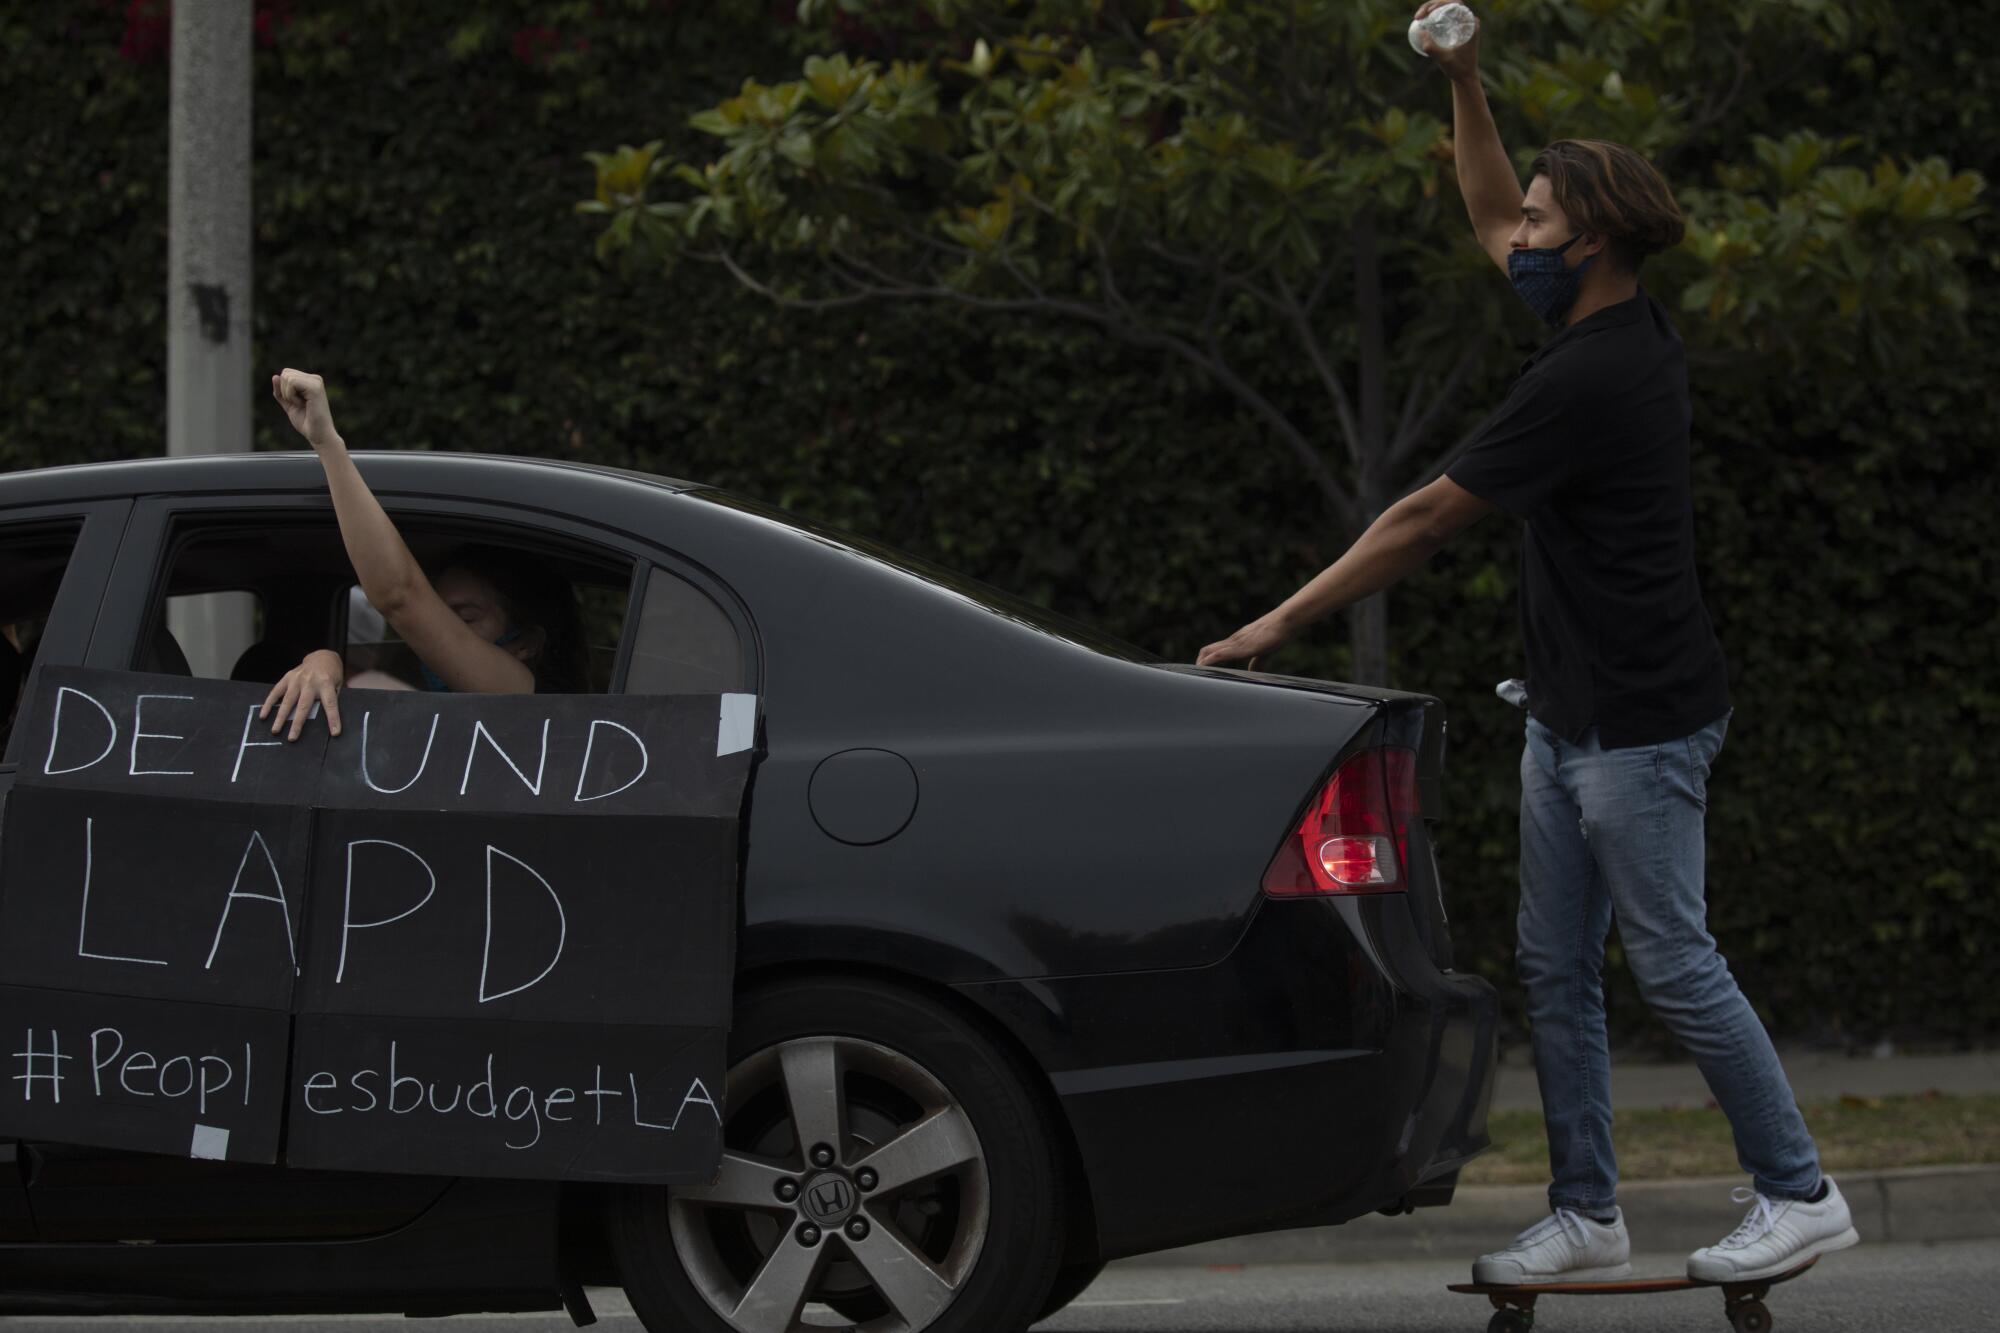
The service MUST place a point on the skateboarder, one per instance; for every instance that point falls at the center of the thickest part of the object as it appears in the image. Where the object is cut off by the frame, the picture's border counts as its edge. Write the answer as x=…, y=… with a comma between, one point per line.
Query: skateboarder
x=1628, y=695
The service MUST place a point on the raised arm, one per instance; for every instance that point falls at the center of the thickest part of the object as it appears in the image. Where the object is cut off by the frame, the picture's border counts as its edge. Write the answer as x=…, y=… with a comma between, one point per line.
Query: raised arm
x=1486, y=178
x=390, y=576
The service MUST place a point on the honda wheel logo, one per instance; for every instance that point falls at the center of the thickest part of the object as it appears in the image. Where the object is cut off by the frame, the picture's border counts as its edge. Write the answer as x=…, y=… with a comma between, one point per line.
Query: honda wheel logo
x=829, y=1199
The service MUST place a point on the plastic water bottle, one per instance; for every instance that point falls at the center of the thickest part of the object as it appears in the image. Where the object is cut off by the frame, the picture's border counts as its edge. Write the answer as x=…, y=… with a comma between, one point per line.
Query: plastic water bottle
x=1452, y=25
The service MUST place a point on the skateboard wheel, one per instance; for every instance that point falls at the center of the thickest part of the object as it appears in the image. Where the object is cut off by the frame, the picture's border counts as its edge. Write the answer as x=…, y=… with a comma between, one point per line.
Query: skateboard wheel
x=1511, y=1321
x=1750, y=1317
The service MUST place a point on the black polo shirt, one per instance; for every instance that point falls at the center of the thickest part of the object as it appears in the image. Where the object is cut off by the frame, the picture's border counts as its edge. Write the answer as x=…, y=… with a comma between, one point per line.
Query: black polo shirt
x=1591, y=448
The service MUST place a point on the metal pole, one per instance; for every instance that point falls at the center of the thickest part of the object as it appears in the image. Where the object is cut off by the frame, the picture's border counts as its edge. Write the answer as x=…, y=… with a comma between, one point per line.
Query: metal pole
x=209, y=378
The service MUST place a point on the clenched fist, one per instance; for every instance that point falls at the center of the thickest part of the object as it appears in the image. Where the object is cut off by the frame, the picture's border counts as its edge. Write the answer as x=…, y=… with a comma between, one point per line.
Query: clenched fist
x=303, y=396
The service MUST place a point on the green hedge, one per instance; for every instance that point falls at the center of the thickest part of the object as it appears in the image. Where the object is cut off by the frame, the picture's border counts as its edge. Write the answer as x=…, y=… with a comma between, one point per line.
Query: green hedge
x=414, y=174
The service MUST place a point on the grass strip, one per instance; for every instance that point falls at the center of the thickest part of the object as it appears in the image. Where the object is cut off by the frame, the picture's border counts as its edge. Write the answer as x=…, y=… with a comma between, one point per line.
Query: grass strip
x=1853, y=1133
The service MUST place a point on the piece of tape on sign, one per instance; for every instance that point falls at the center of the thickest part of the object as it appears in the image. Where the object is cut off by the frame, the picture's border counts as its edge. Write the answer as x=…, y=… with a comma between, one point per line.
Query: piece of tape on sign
x=737, y=730
x=472, y=935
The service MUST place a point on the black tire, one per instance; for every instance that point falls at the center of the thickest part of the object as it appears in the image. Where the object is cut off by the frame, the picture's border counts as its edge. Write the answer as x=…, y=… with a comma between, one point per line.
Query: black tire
x=1511, y=1321
x=988, y=1227
x=1072, y=1280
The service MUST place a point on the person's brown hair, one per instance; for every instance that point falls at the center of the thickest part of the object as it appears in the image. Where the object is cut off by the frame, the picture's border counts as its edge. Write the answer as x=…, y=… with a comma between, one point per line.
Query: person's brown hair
x=534, y=594
x=1608, y=190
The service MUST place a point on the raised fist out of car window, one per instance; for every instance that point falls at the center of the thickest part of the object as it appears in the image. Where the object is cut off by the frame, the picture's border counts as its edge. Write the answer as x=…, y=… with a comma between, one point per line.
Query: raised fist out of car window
x=303, y=396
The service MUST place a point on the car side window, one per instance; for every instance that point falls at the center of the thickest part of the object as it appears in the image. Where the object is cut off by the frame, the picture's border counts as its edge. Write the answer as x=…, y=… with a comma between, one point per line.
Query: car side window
x=371, y=644
x=33, y=559
x=685, y=643
x=216, y=629
x=245, y=596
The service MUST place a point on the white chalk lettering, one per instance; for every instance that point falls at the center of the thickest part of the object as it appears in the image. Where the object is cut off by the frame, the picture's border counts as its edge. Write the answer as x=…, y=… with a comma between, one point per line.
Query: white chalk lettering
x=96, y=1064
x=139, y=1062
x=472, y=750
x=527, y=1112
x=523, y=1113
x=396, y=1083
x=422, y=764
x=636, y=1121
x=32, y=1070
x=314, y=1084
x=590, y=744
x=83, y=916
x=600, y=1092
x=249, y=716
x=486, y=953
x=188, y=1087
x=138, y=722
x=206, y=1076
x=703, y=1100
x=256, y=843
x=492, y=1107
x=348, y=925
x=208, y=1087
x=689, y=1099
x=55, y=733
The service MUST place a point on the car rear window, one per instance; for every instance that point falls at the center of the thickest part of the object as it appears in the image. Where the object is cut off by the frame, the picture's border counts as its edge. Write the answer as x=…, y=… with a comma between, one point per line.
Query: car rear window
x=1000, y=603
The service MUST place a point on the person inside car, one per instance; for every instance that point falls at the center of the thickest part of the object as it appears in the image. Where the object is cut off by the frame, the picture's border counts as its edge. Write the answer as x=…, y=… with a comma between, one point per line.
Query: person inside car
x=495, y=621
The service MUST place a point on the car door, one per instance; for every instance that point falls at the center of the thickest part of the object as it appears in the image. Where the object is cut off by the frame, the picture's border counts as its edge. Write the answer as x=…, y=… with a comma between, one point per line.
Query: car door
x=674, y=636
x=53, y=564
x=86, y=1193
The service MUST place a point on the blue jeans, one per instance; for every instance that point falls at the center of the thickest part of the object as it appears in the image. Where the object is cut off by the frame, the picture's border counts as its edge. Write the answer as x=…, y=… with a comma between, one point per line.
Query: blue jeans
x=1619, y=832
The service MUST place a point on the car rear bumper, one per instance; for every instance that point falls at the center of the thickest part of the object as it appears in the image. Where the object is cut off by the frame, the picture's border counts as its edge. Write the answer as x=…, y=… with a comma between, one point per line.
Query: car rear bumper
x=1324, y=1070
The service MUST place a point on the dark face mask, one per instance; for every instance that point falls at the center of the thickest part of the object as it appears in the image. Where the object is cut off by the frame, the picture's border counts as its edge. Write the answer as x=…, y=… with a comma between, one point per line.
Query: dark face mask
x=1546, y=283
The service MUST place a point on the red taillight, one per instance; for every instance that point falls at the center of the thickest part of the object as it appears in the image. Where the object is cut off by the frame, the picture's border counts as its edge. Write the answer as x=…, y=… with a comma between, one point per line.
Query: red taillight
x=1355, y=837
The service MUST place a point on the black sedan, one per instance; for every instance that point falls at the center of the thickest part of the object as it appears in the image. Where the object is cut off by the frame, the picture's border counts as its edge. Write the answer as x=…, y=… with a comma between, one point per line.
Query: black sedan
x=1049, y=952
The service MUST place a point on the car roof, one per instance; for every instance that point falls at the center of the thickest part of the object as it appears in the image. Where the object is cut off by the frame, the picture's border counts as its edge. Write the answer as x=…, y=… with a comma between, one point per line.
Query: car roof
x=511, y=479
x=391, y=469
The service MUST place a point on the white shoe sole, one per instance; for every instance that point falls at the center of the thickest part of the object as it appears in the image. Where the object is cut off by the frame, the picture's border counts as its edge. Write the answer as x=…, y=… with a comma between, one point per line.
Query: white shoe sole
x=1512, y=1276
x=1844, y=1240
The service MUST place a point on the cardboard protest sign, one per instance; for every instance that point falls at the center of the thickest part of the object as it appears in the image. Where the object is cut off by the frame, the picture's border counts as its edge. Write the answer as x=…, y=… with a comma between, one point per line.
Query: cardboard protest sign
x=474, y=934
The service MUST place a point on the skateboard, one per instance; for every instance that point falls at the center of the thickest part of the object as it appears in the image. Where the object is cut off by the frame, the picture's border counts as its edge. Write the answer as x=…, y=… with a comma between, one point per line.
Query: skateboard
x=1742, y=1302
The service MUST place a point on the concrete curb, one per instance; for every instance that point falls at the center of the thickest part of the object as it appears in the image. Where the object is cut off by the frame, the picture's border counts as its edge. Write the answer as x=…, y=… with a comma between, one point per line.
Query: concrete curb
x=1916, y=1204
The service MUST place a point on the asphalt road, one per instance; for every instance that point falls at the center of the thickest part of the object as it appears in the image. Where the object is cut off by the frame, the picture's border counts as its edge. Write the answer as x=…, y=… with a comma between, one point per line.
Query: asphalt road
x=1944, y=1288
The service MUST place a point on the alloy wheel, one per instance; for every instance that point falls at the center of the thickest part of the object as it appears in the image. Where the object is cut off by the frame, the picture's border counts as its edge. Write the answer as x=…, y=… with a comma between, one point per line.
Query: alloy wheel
x=853, y=1194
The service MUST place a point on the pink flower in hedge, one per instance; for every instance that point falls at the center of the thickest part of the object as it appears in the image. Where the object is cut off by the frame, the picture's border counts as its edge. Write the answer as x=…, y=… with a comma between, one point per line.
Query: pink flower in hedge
x=272, y=16
x=148, y=27
x=534, y=42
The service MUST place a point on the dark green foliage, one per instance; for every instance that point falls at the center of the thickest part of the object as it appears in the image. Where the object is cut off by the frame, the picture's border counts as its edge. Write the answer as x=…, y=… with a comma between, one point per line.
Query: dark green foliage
x=415, y=173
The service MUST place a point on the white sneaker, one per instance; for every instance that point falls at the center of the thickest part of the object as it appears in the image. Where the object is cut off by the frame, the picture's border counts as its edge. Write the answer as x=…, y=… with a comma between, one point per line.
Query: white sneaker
x=1776, y=1236
x=1565, y=1246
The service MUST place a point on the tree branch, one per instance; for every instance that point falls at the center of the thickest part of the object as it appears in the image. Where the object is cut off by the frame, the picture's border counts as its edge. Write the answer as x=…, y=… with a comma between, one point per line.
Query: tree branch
x=773, y=295
x=1411, y=436
x=1319, y=288
x=1372, y=337
x=1210, y=361
x=1329, y=379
